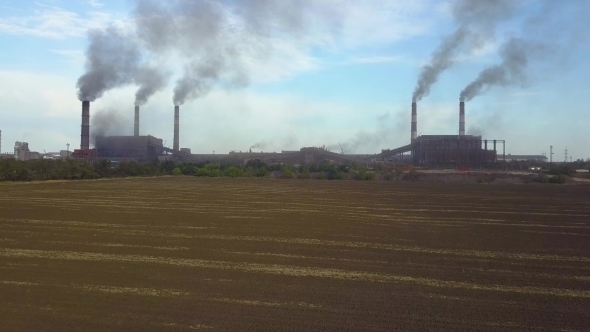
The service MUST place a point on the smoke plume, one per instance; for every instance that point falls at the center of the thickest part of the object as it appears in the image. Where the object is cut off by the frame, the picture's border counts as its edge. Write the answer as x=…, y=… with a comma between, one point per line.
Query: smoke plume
x=150, y=81
x=107, y=122
x=477, y=22
x=259, y=145
x=515, y=57
x=215, y=39
x=112, y=60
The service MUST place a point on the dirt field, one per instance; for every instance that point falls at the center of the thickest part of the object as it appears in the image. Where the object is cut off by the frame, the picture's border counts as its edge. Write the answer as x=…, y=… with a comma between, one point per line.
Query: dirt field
x=278, y=255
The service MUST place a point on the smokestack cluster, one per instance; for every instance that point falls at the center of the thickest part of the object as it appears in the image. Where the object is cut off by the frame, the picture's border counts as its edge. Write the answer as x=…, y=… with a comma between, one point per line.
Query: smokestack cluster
x=85, y=134
x=462, y=118
x=136, y=122
x=414, y=121
x=176, y=146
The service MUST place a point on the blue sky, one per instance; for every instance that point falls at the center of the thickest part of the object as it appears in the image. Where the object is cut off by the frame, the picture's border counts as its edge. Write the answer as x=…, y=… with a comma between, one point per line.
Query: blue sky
x=352, y=87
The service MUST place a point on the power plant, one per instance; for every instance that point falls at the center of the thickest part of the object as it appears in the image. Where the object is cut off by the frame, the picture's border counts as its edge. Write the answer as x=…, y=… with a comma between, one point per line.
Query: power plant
x=459, y=149
x=425, y=150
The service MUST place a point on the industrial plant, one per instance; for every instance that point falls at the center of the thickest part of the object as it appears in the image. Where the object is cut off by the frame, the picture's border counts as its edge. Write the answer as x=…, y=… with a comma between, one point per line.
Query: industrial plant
x=424, y=150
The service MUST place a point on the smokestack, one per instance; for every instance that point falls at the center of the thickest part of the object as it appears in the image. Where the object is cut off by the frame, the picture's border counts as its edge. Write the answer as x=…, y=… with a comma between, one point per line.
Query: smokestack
x=176, y=146
x=462, y=118
x=85, y=135
x=136, y=125
x=414, y=121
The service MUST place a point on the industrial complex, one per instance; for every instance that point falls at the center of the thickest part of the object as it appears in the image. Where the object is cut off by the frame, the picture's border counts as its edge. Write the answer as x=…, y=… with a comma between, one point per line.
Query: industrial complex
x=464, y=150
x=425, y=150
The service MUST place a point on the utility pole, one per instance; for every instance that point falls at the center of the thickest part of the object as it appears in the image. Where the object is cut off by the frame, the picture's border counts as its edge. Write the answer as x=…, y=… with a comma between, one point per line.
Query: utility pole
x=566, y=154
x=551, y=154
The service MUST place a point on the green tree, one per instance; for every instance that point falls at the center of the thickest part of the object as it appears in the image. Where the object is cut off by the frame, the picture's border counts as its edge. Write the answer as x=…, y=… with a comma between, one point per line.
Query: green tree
x=233, y=172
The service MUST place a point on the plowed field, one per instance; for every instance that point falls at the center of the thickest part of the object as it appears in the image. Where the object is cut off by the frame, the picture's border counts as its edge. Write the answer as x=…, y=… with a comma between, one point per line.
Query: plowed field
x=280, y=255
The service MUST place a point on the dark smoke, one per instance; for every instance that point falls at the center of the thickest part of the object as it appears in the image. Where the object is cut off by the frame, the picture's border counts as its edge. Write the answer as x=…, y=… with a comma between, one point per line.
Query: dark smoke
x=107, y=122
x=515, y=57
x=215, y=37
x=477, y=20
x=150, y=81
x=112, y=60
x=442, y=59
x=259, y=145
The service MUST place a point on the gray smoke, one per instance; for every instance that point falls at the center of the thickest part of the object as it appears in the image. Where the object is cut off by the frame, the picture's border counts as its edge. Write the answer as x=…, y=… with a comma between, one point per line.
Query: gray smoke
x=107, y=122
x=515, y=57
x=441, y=60
x=213, y=38
x=477, y=20
x=112, y=59
x=150, y=81
x=259, y=145
x=388, y=126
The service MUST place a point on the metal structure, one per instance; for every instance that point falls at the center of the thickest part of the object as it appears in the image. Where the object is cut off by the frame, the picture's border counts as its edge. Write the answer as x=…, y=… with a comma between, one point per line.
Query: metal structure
x=460, y=150
x=449, y=149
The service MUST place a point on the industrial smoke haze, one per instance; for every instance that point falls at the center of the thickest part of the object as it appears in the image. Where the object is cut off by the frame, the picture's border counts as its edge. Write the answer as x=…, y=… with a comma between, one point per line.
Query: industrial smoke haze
x=150, y=81
x=112, y=60
x=515, y=56
x=107, y=122
x=477, y=21
x=213, y=38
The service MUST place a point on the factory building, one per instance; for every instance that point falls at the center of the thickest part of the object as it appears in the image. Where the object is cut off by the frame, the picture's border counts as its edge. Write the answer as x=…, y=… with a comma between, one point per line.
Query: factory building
x=138, y=148
x=22, y=152
x=454, y=149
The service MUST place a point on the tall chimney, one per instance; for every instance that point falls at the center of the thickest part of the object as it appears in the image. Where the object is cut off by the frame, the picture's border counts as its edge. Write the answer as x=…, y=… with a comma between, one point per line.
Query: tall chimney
x=414, y=121
x=176, y=146
x=136, y=125
x=462, y=118
x=85, y=135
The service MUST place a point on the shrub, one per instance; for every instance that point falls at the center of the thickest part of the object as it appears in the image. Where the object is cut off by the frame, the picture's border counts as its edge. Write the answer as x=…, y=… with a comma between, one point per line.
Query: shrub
x=305, y=174
x=262, y=172
x=288, y=174
x=176, y=171
x=339, y=176
x=321, y=176
x=559, y=179
x=233, y=172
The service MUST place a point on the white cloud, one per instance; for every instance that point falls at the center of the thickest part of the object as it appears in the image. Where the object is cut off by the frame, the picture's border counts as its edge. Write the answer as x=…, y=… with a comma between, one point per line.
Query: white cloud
x=95, y=3
x=55, y=23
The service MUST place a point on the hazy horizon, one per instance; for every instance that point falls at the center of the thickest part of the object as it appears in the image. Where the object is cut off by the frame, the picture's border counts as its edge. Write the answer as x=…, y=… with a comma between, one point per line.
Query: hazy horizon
x=329, y=72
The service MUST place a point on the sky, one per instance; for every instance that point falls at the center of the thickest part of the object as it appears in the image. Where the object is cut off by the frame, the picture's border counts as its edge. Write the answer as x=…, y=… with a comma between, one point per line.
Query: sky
x=346, y=76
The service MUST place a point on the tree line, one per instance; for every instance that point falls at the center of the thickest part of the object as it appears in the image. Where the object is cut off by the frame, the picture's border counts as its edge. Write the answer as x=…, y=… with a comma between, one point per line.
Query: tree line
x=72, y=169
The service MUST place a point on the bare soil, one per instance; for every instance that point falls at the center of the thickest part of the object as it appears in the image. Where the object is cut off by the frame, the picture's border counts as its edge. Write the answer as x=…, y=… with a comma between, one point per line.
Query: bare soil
x=181, y=254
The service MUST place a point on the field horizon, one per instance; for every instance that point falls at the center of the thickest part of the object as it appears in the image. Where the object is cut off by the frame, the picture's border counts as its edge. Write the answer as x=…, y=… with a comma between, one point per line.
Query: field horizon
x=186, y=253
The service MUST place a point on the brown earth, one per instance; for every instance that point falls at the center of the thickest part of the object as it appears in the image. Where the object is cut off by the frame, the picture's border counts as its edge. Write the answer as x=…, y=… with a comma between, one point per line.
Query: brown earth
x=285, y=255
